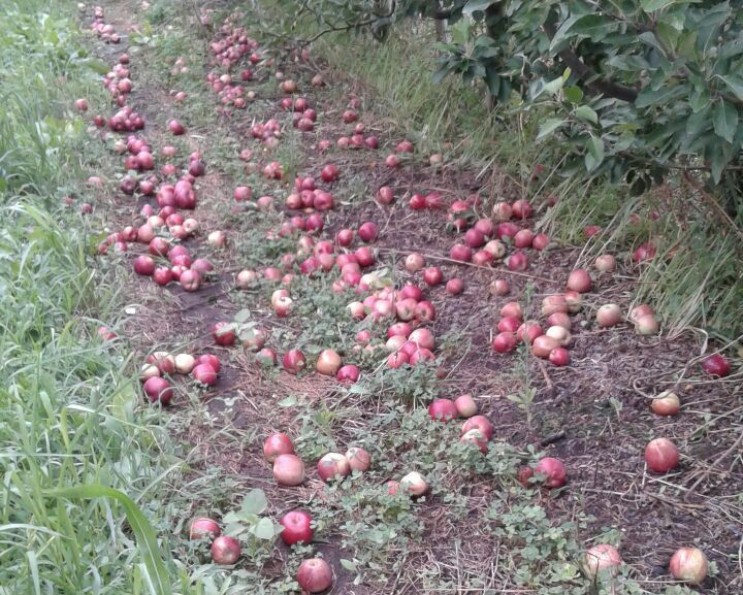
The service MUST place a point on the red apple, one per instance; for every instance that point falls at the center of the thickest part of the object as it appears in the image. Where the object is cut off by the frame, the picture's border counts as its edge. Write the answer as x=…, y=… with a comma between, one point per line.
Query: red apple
x=204, y=374
x=348, y=373
x=475, y=437
x=661, y=455
x=277, y=444
x=315, y=575
x=297, y=527
x=294, y=361
x=358, y=458
x=689, y=564
x=716, y=365
x=479, y=422
x=158, y=390
x=288, y=470
x=333, y=466
x=433, y=276
x=553, y=471
x=225, y=550
x=368, y=231
x=223, y=333
x=579, y=280
x=442, y=410
x=666, y=403
x=466, y=406
x=204, y=527
x=600, y=558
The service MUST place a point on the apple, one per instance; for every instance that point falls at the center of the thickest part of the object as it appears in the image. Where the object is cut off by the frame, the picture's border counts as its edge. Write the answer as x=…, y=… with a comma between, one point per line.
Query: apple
x=348, y=374
x=368, y=231
x=358, y=458
x=553, y=471
x=158, y=390
x=225, y=550
x=288, y=470
x=329, y=362
x=294, y=361
x=203, y=527
x=600, y=558
x=605, y=263
x=297, y=527
x=466, y=406
x=315, y=575
x=579, y=280
x=661, y=455
x=716, y=365
x=475, y=437
x=689, y=564
x=224, y=333
x=277, y=444
x=454, y=286
x=442, y=410
x=665, y=404
x=479, y=422
x=433, y=276
x=608, y=315
x=333, y=466
x=204, y=374
x=524, y=475
x=414, y=484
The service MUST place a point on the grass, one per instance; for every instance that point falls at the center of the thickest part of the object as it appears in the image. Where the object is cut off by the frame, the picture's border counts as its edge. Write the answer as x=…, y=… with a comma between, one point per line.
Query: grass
x=80, y=458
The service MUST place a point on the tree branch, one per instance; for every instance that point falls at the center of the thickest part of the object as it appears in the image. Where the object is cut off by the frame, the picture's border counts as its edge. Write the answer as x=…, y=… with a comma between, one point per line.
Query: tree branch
x=590, y=77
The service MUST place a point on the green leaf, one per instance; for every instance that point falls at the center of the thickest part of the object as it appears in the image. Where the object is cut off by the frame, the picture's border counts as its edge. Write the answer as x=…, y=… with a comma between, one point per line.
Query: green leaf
x=255, y=502
x=721, y=155
x=440, y=74
x=549, y=126
x=265, y=529
x=595, y=155
x=592, y=25
x=661, y=96
x=735, y=84
x=697, y=122
x=586, y=113
x=145, y=535
x=242, y=316
x=725, y=120
x=477, y=6
x=668, y=36
x=493, y=81
x=628, y=63
x=348, y=565
x=551, y=87
x=731, y=49
x=653, y=5
x=573, y=94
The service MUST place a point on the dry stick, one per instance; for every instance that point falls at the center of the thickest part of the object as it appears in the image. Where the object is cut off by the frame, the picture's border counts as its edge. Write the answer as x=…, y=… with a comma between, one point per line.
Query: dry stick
x=552, y=438
x=469, y=264
x=547, y=379
x=704, y=474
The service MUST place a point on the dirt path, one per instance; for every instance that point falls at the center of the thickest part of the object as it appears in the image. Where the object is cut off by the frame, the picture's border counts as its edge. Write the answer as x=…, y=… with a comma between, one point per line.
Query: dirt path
x=476, y=529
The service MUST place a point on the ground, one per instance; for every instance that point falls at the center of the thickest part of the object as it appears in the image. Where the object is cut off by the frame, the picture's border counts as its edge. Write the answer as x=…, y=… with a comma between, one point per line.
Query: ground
x=478, y=531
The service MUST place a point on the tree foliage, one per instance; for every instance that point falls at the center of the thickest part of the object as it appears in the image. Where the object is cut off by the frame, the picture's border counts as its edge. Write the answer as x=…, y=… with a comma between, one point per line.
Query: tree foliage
x=633, y=87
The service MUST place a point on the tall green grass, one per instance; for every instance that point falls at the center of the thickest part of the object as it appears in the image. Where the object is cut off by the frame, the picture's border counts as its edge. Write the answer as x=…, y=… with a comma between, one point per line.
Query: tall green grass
x=79, y=458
